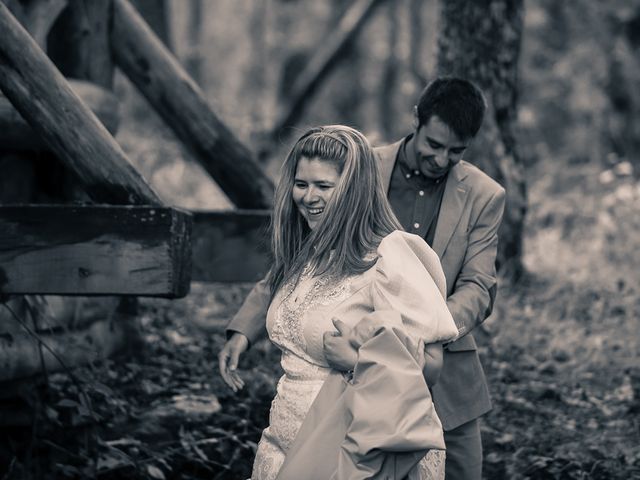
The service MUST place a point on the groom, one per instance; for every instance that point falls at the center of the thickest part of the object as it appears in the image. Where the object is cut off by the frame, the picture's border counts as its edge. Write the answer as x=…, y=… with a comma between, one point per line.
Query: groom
x=457, y=209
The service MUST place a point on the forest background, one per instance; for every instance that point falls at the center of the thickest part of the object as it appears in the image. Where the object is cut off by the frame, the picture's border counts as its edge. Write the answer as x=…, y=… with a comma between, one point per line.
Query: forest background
x=561, y=349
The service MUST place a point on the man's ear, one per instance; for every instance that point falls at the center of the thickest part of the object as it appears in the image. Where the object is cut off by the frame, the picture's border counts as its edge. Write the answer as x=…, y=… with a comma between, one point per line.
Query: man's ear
x=416, y=121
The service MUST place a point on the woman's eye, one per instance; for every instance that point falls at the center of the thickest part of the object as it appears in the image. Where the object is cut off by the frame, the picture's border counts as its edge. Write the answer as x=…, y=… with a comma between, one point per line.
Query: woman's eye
x=434, y=145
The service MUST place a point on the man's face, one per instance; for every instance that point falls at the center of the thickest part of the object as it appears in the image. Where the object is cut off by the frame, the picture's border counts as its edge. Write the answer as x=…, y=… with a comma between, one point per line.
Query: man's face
x=437, y=148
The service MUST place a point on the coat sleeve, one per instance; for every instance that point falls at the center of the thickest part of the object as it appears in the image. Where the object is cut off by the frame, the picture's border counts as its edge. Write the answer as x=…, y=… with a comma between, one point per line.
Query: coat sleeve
x=409, y=281
x=471, y=301
x=250, y=320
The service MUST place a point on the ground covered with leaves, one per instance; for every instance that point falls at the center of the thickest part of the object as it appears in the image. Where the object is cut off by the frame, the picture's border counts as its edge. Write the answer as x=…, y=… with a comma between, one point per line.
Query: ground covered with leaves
x=561, y=355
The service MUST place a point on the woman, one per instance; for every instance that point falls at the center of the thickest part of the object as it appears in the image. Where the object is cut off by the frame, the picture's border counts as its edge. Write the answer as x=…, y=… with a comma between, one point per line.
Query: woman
x=338, y=253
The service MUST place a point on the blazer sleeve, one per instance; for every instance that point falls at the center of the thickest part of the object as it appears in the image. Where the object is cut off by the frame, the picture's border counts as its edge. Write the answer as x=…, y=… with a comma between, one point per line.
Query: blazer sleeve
x=471, y=300
x=250, y=320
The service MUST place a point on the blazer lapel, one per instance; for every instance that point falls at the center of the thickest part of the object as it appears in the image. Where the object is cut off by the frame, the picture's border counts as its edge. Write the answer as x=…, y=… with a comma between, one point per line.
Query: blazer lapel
x=453, y=202
x=387, y=159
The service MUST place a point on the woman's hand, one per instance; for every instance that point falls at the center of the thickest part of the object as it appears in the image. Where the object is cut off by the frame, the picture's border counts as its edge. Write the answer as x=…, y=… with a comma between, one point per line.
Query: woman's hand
x=228, y=360
x=338, y=351
x=432, y=363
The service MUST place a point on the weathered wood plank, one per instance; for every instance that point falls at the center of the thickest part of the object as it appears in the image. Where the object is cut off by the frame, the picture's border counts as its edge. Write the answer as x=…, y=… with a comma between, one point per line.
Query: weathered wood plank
x=177, y=98
x=46, y=101
x=230, y=246
x=95, y=250
x=17, y=134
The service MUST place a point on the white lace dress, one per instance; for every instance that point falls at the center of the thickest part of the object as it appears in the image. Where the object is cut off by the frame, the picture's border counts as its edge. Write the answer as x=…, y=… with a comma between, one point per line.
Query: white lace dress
x=296, y=321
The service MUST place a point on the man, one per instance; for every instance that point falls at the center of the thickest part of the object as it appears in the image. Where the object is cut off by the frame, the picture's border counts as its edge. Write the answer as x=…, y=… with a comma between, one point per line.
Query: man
x=457, y=209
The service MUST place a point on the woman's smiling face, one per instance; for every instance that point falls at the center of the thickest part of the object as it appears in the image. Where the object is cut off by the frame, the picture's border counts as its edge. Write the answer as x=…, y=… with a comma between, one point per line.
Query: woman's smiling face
x=313, y=187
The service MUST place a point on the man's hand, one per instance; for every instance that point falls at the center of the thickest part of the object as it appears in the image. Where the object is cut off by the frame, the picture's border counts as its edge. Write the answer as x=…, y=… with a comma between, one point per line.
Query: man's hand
x=338, y=351
x=228, y=360
x=432, y=363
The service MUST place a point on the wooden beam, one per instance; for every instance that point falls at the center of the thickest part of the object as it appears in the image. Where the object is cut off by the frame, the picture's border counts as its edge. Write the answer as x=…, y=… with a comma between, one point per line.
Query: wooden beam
x=17, y=134
x=44, y=98
x=322, y=62
x=230, y=246
x=95, y=250
x=177, y=98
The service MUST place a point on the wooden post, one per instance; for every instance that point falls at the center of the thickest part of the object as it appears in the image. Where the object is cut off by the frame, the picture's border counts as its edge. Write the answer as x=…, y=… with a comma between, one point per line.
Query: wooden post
x=44, y=98
x=95, y=250
x=322, y=62
x=173, y=94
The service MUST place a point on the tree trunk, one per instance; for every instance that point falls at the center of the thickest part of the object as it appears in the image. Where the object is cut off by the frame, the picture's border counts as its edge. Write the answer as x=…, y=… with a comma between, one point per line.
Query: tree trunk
x=417, y=41
x=622, y=115
x=481, y=41
x=78, y=43
x=194, y=58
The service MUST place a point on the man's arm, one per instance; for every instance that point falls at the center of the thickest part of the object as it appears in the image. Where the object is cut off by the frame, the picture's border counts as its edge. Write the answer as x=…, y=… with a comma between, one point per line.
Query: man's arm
x=472, y=298
x=250, y=320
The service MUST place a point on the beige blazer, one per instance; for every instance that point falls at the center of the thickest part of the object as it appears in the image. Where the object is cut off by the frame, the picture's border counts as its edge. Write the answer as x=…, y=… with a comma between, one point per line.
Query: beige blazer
x=466, y=241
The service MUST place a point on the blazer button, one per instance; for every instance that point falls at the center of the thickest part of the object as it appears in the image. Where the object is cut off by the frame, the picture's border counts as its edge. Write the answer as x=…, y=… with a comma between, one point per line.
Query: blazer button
x=416, y=226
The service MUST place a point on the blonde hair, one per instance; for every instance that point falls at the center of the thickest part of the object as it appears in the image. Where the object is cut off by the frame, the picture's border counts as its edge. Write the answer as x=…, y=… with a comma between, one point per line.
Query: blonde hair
x=355, y=220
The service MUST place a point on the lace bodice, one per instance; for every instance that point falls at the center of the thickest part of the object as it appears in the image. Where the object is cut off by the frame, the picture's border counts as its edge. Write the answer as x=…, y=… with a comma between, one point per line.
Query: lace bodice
x=298, y=317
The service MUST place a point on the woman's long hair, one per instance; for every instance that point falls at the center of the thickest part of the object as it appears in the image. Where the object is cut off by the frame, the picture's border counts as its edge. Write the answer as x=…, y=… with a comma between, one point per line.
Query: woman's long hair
x=355, y=220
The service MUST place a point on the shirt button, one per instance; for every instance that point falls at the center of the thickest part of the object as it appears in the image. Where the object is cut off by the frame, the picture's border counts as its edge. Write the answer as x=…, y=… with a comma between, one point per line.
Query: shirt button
x=421, y=193
x=408, y=175
x=416, y=172
x=416, y=225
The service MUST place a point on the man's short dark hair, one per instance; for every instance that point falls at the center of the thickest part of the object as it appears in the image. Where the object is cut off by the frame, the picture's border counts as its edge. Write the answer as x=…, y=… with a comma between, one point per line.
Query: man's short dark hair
x=456, y=101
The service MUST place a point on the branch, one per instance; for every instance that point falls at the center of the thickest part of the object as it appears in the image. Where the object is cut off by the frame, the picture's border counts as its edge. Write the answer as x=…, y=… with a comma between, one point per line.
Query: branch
x=323, y=62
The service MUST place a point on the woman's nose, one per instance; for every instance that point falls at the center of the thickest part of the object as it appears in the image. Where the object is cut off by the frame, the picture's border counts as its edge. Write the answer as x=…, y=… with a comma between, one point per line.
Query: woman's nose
x=311, y=195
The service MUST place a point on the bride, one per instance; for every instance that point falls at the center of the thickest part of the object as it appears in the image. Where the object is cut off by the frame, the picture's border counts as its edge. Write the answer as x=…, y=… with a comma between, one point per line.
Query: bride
x=354, y=301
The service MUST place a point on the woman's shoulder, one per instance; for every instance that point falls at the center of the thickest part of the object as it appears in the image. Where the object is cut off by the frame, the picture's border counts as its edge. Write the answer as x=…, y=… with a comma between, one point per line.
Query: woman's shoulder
x=401, y=241
x=402, y=255
x=409, y=280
